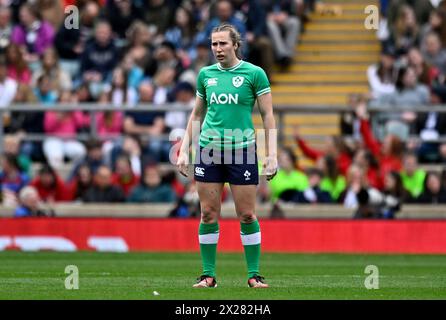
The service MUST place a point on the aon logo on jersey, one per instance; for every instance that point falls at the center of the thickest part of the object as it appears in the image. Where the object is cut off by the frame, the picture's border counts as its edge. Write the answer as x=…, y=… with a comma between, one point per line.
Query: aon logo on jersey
x=224, y=98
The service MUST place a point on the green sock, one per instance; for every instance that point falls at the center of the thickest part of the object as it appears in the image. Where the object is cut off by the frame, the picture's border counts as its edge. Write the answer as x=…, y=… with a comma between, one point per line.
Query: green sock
x=208, y=238
x=251, y=238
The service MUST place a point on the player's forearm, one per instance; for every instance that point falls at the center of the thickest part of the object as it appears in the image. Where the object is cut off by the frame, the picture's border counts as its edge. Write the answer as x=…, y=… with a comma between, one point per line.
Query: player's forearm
x=269, y=124
x=191, y=134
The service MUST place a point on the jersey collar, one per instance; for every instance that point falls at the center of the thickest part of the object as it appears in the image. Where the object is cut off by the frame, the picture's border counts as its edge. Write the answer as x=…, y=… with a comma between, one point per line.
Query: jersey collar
x=231, y=68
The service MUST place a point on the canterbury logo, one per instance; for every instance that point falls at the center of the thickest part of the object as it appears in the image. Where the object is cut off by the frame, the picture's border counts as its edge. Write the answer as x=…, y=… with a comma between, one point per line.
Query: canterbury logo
x=199, y=171
x=247, y=175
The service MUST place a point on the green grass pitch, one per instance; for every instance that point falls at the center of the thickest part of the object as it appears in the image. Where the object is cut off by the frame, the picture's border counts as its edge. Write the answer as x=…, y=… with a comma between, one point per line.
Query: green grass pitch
x=291, y=276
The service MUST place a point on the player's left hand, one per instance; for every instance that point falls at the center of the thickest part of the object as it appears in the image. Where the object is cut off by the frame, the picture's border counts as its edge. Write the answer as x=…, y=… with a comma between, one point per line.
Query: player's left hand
x=270, y=167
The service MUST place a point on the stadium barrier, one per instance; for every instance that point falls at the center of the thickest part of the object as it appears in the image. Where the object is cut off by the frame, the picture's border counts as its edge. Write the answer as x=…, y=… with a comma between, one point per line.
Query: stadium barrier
x=181, y=235
x=281, y=111
x=290, y=211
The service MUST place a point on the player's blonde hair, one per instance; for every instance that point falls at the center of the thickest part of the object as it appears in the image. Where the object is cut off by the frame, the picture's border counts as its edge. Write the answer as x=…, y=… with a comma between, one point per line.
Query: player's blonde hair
x=233, y=34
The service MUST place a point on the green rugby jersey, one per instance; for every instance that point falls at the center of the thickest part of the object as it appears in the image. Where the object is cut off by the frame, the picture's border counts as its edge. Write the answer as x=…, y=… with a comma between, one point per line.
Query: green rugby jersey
x=229, y=95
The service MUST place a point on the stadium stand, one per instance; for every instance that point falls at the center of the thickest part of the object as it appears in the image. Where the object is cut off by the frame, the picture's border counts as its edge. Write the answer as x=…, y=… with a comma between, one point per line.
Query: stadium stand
x=79, y=98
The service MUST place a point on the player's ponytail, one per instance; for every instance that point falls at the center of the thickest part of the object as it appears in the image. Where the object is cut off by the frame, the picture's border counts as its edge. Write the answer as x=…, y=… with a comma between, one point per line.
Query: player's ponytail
x=233, y=34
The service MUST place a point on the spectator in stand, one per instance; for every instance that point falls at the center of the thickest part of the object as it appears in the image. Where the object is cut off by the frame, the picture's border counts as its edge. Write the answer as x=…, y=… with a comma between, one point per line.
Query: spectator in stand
x=81, y=183
x=33, y=35
x=150, y=123
x=382, y=76
x=28, y=122
x=201, y=11
x=436, y=24
x=158, y=13
x=409, y=94
x=412, y=177
x=8, y=86
x=60, y=80
x=61, y=127
x=135, y=75
x=94, y=158
x=365, y=160
x=224, y=12
x=30, y=204
x=99, y=59
x=164, y=57
x=5, y=28
x=170, y=177
x=182, y=34
x=44, y=91
x=433, y=52
x=433, y=192
x=119, y=92
x=393, y=195
x=140, y=44
x=11, y=179
x=430, y=126
x=315, y=193
x=123, y=175
x=421, y=9
x=284, y=29
x=426, y=74
x=289, y=179
x=17, y=66
x=50, y=186
x=51, y=11
x=203, y=57
x=183, y=94
x=260, y=47
x=404, y=31
x=103, y=189
x=388, y=153
x=333, y=181
x=334, y=146
x=357, y=184
x=71, y=42
x=130, y=146
x=11, y=145
x=121, y=14
x=151, y=188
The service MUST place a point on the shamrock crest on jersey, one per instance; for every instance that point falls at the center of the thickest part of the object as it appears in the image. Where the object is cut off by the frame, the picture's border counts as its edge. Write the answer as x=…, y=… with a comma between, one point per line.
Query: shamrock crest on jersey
x=237, y=81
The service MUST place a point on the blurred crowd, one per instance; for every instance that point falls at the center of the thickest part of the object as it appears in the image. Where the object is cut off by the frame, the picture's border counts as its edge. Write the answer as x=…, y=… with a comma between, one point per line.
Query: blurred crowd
x=380, y=166
x=130, y=52
x=117, y=53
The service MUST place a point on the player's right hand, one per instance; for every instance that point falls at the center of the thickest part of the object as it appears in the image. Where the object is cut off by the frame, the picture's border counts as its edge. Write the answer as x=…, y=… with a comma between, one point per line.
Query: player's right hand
x=183, y=163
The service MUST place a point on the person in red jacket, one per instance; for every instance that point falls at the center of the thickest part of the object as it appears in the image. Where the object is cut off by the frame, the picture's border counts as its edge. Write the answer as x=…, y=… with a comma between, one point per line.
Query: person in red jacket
x=334, y=146
x=123, y=175
x=50, y=186
x=389, y=153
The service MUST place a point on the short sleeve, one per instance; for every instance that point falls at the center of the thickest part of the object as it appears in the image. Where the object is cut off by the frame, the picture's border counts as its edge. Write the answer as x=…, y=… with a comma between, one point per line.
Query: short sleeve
x=261, y=83
x=201, y=90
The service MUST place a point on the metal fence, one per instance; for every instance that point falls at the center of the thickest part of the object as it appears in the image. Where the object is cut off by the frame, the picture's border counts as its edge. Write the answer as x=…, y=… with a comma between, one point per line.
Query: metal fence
x=281, y=111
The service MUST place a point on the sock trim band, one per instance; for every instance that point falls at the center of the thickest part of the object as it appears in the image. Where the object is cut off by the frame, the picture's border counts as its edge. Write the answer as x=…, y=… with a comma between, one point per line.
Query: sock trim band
x=251, y=239
x=209, y=238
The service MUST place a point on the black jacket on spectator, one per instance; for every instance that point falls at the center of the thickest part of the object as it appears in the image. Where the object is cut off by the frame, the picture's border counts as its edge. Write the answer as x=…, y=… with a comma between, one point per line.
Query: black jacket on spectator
x=109, y=194
x=65, y=41
x=118, y=21
x=428, y=197
x=440, y=125
x=99, y=59
x=284, y=5
x=31, y=122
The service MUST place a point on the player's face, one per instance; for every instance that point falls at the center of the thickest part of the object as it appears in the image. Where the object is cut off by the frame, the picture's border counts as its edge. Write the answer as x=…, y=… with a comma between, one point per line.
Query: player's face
x=223, y=48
